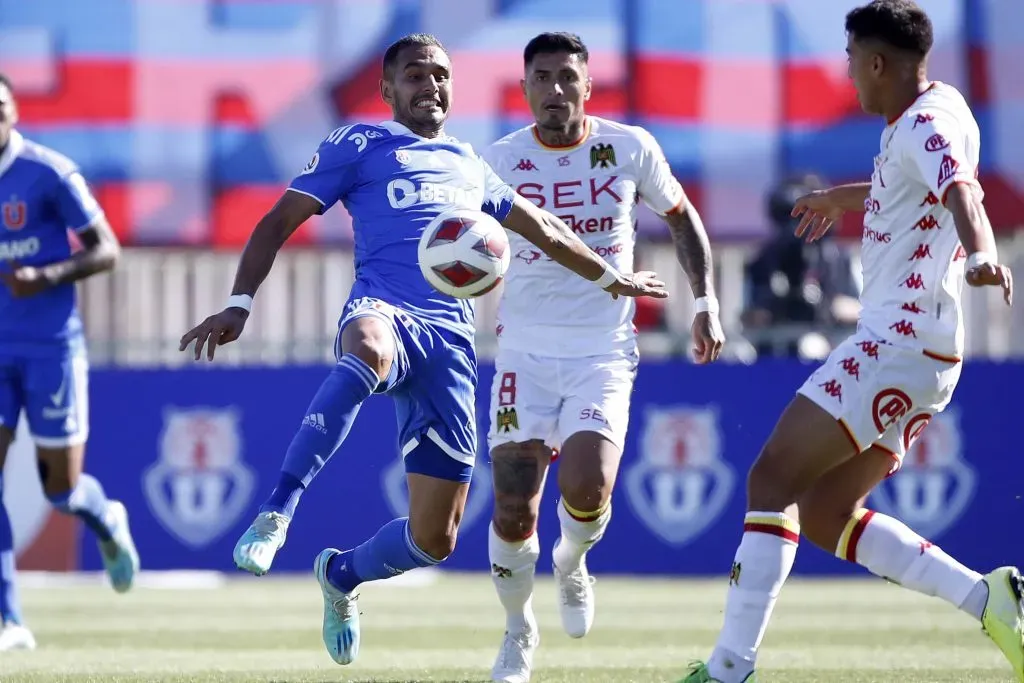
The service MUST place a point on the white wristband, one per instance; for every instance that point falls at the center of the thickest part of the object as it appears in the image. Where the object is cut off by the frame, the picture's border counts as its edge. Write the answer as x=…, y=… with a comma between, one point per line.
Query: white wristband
x=609, y=277
x=980, y=258
x=243, y=301
x=706, y=304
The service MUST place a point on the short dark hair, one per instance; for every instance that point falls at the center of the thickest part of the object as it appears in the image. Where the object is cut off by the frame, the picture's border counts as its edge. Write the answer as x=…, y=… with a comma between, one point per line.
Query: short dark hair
x=898, y=23
x=549, y=43
x=412, y=40
x=4, y=80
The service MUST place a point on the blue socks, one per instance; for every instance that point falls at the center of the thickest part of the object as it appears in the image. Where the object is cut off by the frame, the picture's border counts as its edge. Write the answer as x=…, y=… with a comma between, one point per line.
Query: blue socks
x=389, y=553
x=87, y=502
x=10, y=607
x=328, y=421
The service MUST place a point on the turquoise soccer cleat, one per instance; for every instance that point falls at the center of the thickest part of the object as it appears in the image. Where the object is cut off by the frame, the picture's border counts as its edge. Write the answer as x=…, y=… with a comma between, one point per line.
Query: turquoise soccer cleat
x=341, y=614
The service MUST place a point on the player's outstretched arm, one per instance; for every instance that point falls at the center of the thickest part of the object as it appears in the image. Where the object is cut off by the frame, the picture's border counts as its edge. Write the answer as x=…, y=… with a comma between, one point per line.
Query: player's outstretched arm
x=292, y=210
x=963, y=200
x=693, y=249
x=554, y=238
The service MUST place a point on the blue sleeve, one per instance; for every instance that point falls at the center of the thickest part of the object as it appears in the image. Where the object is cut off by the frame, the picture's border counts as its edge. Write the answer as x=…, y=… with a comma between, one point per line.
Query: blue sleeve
x=78, y=208
x=498, y=195
x=332, y=171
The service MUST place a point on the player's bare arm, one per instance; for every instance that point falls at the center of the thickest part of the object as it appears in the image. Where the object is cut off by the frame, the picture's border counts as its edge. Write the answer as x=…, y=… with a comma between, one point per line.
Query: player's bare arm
x=100, y=251
x=819, y=210
x=975, y=232
x=270, y=234
x=693, y=249
x=555, y=239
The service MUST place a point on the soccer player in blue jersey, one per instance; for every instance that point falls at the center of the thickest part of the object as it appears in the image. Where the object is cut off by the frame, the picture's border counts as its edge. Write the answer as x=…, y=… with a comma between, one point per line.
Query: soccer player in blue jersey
x=43, y=364
x=397, y=335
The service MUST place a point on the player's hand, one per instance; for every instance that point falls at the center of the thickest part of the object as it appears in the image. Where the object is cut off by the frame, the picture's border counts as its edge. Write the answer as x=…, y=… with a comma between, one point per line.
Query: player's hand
x=992, y=275
x=217, y=330
x=708, y=337
x=644, y=283
x=817, y=214
x=23, y=281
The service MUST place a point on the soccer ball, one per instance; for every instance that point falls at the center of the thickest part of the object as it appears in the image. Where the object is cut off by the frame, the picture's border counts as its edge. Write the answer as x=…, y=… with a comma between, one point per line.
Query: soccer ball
x=464, y=253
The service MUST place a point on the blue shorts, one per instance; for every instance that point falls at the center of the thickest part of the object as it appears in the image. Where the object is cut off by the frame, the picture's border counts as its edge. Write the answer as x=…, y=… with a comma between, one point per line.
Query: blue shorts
x=433, y=382
x=52, y=387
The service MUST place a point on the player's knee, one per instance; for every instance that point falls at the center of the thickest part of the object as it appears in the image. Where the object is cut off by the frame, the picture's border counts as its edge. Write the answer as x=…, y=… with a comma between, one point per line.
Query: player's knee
x=514, y=518
x=369, y=339
x=438, y=543
x=586, y=491
x=769, y=486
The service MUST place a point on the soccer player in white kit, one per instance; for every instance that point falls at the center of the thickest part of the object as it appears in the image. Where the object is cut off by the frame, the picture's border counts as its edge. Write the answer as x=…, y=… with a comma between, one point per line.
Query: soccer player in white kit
x=567, y=359
x=925, y=232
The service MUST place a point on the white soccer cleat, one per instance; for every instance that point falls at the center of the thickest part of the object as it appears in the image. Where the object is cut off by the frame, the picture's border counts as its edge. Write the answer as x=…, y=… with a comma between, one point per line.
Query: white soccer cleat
x=257, y=547
x=575, y=599
x=515, y=659
x=16, y=637
x=120, y=558
x=341, y=614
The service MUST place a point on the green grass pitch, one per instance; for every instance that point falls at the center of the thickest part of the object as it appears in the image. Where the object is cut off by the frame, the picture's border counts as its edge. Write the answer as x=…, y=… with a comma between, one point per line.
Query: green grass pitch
x=267, y=630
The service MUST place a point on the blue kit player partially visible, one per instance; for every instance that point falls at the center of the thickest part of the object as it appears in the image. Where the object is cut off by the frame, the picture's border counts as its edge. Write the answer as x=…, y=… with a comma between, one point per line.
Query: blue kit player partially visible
x=43, y=365
x=397, y=335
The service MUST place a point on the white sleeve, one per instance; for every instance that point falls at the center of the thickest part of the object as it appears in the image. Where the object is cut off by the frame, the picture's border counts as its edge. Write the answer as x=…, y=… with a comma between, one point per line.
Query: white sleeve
x=491, y=155
x=935, y=150
x=658, y=188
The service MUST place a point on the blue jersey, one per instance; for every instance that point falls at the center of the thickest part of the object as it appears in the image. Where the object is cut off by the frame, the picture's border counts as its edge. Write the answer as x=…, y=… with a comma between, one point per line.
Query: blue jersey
x=393, y=183
x=42, y=196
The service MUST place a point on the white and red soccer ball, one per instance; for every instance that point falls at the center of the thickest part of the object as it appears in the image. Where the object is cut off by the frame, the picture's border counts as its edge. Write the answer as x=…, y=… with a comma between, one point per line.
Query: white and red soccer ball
x=464, y=253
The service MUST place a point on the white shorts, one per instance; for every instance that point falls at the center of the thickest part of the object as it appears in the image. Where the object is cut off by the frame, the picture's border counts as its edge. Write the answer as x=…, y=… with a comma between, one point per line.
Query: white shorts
x=882, y=395
x=540, y=397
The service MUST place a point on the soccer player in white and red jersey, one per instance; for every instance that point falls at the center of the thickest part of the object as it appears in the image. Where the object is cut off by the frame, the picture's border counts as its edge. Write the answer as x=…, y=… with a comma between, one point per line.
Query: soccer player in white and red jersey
x=925, y=232
x=566, y=359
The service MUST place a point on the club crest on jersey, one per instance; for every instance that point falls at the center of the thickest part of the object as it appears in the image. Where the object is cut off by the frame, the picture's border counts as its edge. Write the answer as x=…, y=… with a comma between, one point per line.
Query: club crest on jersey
x=15, y=213
x=936, y=484
x=402, y=156
x=506, y=420
x=681, y=484
x=199, y=485
x=313, y=163
x=602, y=155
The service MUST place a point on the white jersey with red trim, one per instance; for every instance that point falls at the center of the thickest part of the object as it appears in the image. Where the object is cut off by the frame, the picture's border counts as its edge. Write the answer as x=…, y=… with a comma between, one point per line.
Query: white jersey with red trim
x=912, y=258
x=594, y=186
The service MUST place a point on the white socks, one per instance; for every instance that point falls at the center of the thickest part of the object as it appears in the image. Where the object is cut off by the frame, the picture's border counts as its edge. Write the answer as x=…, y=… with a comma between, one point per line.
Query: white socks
x=513, y=566
x=890, y=549
x=761, y=565
x=580, y=531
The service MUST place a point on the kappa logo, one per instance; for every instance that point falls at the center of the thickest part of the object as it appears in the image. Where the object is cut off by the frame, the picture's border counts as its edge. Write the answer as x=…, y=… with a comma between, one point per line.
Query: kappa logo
x=936, y=484
x=199, y=485
x=681, y=484
x=402, y=157
x=15, y=213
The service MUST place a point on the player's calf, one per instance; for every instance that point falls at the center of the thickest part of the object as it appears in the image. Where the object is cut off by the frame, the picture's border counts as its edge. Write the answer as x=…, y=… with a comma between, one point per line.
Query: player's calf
x=833, y=518
x=74, y=492
x=589, y=464
x=10, y=605
x=518, y=471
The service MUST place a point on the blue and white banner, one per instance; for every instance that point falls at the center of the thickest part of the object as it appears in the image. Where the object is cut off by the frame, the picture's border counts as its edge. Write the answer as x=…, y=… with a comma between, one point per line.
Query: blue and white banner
x=193, y=452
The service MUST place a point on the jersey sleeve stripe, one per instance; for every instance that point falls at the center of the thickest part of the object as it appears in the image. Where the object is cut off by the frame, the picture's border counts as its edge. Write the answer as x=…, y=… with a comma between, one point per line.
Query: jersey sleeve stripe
x=97, y=215
x=308, y=194
x=679, y=207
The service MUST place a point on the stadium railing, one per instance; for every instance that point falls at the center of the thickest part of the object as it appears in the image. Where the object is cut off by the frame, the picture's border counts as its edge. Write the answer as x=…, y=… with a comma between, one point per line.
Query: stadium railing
x=136, y=315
